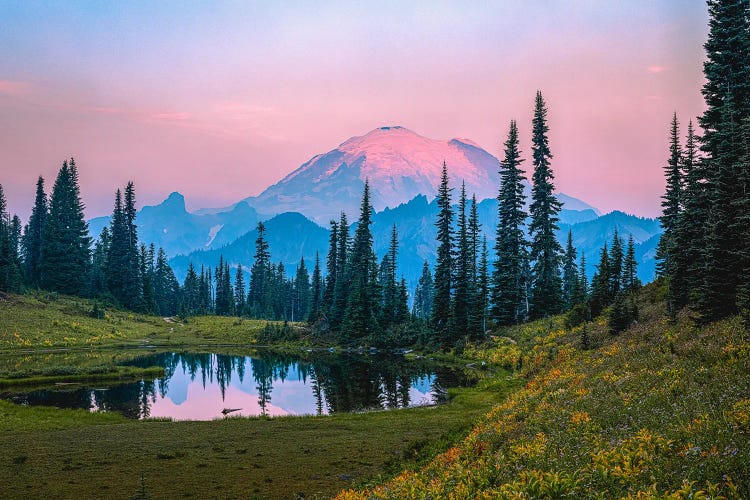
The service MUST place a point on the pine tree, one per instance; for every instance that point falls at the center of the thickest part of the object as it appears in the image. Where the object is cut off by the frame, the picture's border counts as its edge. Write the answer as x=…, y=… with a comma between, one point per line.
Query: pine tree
x=462, y=278
x=301, y=308
x=545, y=250
x=570, y=273
x=509, y=278
x=343, y=278
x=239, y=291
x=480, y=297
x=65, y=239
x=166, y=287
x=600, y=284
x=581, y=291
x=689, y=233
x=423, y=295
x=442, y=306
x=32, y=238
x=260, y=274
x=727, y=96
x=191, y=292
x=402, y=303
x=616, y=256
x=389, y=284
x=10, y=267
x=147, y=273
x=123, y=267
x=630, y=281
x=671, y=203
x=331, y=268
x=360, y=316
x=316, y=292
x=98, y=282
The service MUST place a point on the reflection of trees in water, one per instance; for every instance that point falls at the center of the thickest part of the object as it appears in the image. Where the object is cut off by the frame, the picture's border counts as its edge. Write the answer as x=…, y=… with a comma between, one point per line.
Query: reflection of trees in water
x=339, y=383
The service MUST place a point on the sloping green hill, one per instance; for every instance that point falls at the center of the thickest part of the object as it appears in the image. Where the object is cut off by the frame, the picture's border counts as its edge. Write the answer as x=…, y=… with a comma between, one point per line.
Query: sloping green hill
x=661, y=411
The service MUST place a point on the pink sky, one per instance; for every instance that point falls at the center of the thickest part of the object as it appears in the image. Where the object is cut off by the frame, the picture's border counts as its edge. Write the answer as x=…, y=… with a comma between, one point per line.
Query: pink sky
x=218, y=100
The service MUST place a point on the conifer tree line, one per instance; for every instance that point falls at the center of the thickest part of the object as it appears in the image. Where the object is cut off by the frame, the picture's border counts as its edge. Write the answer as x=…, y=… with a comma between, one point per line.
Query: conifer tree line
x=703, y=254
x=532, y=276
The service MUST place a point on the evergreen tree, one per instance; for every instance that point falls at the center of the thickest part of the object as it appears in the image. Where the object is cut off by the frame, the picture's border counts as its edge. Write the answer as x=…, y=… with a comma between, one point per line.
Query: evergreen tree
x=98, y=282
x=123, y=266
x=509, y=278
x=147, y=273
x=630, y=279
x=616, y=256
x=727, y=96
x=389, y=284
x=65, y=240
x=441, y=306
x=316, y=292
x=301, y=306
x=191, y=298
x=600, y=284
x=260, y=275
x=581, y=291
x=360, y=316
x=570, y=273
x=480, y=297
x=689, y=231
x=343, y=278
x=423, y=295
x=166, y=287
x=671, y=203
x=10, y=266
x=462, y=279
x=32, y=238
x=545, y=250
x=402, y=303
x=239, y=291
x=332, y=269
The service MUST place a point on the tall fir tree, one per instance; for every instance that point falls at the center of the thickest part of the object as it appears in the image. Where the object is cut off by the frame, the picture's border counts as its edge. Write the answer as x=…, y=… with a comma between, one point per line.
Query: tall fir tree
x=510, y=277
x=443, y=282
x=316, y=292
x=10, y=266
x=630, y=281
x=570, y=273
x=260, y=275
x=545, y=250
x=65, y=239
x=191, y=291
x=480, y=297
x=98, y=282
x=727, y=95
x=301, y=307
x=360, y=316
x=462, y=279
x=689, y=231
x=32, y=238
x=331, y=268
x=600, y=284
x=671, y=202
x=616, y=256
x=123, y=267
x=423, y=294
x=240, y=296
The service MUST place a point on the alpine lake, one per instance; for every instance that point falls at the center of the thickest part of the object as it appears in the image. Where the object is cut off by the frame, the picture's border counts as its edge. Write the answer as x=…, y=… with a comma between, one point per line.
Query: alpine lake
x=211, y=384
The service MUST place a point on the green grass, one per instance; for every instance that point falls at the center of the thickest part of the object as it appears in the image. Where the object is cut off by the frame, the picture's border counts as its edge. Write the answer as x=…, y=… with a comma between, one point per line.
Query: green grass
x=660, y=411
x=54, y=453
x=44, y=320
x=75, y=454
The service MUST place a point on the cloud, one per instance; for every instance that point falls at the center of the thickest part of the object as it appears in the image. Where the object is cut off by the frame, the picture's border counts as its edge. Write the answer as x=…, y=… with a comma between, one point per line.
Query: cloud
x=656, y=69
x=14, y=88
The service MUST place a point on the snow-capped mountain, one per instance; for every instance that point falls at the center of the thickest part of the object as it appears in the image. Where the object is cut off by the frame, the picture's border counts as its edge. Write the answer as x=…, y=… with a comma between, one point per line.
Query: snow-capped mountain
x=399, y=164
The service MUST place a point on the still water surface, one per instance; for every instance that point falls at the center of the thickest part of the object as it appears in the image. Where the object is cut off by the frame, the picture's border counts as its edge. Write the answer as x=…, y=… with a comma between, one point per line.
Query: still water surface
x=211, y=385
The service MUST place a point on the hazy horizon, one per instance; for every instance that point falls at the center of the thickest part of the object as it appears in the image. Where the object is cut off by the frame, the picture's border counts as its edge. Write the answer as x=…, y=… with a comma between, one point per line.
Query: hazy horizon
x=219, y=100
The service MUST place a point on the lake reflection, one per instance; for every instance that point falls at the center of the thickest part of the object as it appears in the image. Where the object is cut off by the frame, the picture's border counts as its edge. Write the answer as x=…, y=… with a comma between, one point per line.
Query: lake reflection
x=201, y=386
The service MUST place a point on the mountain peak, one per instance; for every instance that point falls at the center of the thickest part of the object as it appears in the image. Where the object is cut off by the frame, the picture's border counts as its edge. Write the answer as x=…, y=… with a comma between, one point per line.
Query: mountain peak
x=175, y=200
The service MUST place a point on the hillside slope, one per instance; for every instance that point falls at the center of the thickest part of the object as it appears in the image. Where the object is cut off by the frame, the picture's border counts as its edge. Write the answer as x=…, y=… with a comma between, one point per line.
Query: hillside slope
x=663, y=410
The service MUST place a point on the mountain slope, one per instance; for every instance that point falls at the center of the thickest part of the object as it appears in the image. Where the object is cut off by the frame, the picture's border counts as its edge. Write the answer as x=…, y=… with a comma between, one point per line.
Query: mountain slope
x=170, y=226
x=660, y=411
x=399, y=165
